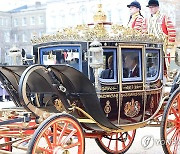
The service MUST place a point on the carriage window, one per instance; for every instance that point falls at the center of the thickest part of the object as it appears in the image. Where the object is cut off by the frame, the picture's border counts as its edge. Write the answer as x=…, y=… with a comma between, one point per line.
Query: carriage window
x=60, y=55
x=108, y=73
x=152, y=64
x=131, y=64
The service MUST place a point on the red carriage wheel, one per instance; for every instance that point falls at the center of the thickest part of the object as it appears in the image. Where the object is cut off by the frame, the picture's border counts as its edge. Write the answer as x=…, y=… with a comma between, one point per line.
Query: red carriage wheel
x=60, y=133
x=5, y=140
x=170, y=126
x=116, y=142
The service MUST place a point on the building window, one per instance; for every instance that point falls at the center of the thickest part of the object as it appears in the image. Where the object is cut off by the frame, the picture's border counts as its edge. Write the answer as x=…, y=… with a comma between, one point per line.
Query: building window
x=41, y=20
x=7, y=36
x=1, y=22
x=24, y=21
x=15, y=22
x=32, y=20
x=32, y=35
x=53, y=19
x=6, y=22
x=82, y=14
x=15, y=38
x=108, y=15
x=62, y=20
x=72, y=16
x=24, y=38
x=41, y=33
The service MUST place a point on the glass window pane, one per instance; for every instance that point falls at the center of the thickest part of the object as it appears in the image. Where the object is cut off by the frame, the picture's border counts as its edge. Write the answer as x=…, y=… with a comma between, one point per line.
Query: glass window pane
x=131, y=64
x=152, y=64
x=24, y=21
x=32, y=20
x=15, y=22
x=108, y=73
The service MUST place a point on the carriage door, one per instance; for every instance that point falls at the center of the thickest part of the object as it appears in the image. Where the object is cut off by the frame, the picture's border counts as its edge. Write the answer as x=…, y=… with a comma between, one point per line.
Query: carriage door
x=132, y=84
x=154, y=83
x=109, y=86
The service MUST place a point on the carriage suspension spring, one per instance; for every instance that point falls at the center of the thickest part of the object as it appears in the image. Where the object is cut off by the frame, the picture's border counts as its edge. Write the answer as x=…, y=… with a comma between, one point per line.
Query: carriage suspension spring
x=55, y=81
x=121, y=138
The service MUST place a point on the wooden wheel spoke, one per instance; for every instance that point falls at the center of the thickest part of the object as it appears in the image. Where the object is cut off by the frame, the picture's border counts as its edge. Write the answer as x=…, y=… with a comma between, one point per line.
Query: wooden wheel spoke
x=170, y=130
x=174, y=112
x=174, y=137
x=170, y=126
x=116, y=142
x=116, y=145
x=41, y=149
x=123, y=143
x=176, y=143
x=55, y=134
x=129, y=137
x=109, y=142
x=47, y=140
x=178, y=102
x=69, y=136
x=62, y=133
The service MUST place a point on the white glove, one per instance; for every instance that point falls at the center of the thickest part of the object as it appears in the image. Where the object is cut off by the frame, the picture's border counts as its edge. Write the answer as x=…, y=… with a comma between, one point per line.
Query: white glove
x=168, y=51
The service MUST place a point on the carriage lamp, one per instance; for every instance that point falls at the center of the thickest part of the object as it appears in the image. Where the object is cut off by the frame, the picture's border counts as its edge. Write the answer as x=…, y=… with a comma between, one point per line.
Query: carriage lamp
x=15, y=56
x=96, y=58
x=177, y=56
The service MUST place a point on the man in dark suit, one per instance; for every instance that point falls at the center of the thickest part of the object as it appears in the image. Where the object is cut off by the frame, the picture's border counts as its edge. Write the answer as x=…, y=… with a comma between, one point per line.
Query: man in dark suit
x=108, y=73
x=131, y=68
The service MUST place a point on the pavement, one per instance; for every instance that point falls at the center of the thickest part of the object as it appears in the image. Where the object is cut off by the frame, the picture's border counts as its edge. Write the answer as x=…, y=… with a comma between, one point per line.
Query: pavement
x=136, y=148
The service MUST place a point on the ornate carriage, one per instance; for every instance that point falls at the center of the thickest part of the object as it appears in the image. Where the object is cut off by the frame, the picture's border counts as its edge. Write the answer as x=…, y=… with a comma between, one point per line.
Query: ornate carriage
x=82, y=87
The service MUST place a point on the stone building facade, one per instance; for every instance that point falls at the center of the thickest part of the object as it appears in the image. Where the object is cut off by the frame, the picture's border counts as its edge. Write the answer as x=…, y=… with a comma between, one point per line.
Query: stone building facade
x=18, y=27
x=5, y=32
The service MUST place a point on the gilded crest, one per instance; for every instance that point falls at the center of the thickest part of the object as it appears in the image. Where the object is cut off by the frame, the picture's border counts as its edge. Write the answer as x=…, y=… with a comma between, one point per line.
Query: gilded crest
x=107, y=108
x=132, y=108
x=59, y=105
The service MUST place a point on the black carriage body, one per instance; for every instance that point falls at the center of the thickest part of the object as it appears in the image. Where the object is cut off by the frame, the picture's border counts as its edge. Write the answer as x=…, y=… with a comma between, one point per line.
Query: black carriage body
x=119, y=100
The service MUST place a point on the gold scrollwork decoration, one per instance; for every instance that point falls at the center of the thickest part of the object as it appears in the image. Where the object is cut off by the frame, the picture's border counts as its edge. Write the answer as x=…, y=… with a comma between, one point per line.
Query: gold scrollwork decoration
x=98, y=31
x=109, y=96
x=107, y=108
x=109, y=88
x=128, y=94
x=134, y=87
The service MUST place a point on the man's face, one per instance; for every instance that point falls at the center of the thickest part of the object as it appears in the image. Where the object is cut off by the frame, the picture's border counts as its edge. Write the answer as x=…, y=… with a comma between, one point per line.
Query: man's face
x=153, y=9
x=128, y=62
x=133, y=10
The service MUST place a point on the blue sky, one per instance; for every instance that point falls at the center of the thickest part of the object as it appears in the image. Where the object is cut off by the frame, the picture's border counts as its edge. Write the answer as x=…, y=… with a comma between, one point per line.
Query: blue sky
x=6, y=5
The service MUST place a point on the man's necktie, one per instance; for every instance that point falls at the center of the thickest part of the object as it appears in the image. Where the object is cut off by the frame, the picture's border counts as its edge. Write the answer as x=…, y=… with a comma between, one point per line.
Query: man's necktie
x=130, y=73
x=111, y=74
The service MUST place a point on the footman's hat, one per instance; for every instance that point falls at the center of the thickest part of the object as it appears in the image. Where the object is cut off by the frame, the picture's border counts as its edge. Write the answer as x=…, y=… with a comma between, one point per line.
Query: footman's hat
x=135, y=4
x=153, y=3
